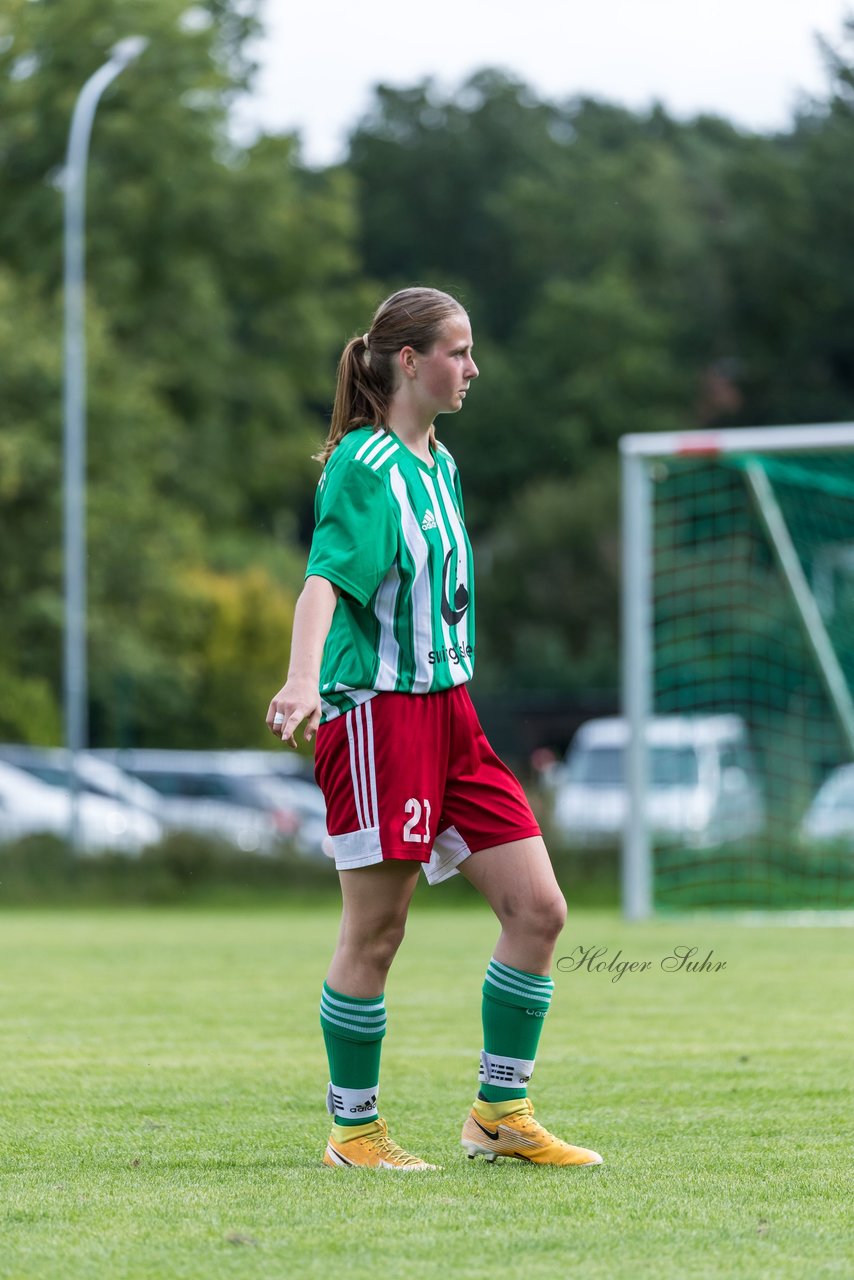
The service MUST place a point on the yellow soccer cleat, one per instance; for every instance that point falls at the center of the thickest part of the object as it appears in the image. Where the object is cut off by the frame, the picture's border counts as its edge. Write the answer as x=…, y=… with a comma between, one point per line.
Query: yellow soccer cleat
x=493, y=1130
x=370, y=1147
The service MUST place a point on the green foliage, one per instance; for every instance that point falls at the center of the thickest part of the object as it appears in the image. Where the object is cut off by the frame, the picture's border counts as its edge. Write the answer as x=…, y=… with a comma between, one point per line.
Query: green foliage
x=243, y=626
x=28, y=708
x=182, y=868
x=625, y=272
x=186, y=868
x=554, y=574
x=219, y=281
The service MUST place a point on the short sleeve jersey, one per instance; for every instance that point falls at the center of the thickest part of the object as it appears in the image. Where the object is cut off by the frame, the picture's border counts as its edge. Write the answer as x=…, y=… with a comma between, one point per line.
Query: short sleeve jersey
x=390, y=533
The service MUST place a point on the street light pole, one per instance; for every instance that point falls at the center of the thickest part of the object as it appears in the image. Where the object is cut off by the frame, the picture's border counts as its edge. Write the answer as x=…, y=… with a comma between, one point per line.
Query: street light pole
x=74, y=412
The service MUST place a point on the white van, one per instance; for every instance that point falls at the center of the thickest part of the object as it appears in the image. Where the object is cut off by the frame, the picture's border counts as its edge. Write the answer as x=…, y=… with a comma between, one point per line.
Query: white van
x=703, y=785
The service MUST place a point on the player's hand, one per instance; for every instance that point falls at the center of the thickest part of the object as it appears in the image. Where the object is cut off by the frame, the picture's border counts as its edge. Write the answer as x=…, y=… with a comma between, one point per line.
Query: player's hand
x=296, y=701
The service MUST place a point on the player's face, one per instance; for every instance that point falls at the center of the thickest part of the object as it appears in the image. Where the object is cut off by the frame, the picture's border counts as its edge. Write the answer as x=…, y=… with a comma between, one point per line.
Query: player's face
x=445, y=371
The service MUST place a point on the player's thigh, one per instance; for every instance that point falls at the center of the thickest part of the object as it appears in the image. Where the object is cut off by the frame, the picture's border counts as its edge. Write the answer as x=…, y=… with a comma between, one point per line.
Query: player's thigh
x=376, y=899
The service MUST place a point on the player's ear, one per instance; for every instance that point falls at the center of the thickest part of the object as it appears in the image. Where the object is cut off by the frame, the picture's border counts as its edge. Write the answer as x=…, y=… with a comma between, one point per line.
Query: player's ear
x=407, y=361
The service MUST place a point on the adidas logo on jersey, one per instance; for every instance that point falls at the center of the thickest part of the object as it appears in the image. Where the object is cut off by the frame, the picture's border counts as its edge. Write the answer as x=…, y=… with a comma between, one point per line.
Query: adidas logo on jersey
x=429, y=521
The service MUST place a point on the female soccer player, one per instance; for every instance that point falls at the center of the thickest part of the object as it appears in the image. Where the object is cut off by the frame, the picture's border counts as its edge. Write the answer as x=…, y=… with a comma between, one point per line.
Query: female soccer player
x=383, y=647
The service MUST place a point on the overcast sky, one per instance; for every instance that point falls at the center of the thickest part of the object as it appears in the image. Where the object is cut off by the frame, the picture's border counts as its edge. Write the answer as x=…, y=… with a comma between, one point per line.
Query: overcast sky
x=748, y=60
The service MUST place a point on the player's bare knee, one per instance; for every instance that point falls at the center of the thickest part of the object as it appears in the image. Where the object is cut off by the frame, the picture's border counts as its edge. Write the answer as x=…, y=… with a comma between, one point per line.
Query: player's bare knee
x=383, y=944
x=542, y=916
x=547, y=916
x=555, y=915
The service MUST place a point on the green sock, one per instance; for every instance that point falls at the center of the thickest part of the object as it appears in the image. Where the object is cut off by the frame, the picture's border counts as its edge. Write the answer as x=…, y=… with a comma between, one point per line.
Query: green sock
x=514, y=1006
x=353, y=1030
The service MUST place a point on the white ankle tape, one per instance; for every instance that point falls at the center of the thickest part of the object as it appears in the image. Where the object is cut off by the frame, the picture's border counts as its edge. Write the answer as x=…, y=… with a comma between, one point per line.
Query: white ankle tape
x=352, y=1104
x=506, y=1073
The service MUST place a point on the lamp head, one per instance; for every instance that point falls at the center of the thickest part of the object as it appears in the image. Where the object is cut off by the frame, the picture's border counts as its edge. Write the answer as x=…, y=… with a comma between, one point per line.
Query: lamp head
x=124, y=51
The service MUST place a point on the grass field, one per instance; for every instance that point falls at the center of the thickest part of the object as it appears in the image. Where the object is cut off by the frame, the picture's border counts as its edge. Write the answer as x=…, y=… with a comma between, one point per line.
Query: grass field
x=162, y=1086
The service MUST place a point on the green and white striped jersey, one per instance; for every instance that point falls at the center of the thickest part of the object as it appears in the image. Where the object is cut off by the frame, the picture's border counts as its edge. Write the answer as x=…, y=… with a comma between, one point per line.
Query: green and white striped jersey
x=390, y=533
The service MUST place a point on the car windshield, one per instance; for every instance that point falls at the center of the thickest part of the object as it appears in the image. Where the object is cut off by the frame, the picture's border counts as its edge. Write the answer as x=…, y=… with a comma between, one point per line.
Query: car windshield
x=185, y=785
x=53, y=775
x=298, y=795
x=605, y=767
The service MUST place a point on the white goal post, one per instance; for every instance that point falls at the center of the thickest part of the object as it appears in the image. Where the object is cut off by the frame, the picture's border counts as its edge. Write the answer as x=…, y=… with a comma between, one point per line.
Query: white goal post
x=641, y=455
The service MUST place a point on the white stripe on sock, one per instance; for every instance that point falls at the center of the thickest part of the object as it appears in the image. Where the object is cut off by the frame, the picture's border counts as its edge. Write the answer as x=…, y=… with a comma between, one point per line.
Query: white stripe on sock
x=534, y=978
x=374, y=1007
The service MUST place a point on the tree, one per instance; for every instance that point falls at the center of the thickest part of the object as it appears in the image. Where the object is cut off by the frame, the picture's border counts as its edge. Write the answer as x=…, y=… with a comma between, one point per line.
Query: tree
x=219, y=279
x=430, y=174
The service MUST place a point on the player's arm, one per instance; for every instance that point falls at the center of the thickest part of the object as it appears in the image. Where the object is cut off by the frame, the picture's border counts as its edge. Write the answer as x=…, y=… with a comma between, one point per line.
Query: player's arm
x=299, y=697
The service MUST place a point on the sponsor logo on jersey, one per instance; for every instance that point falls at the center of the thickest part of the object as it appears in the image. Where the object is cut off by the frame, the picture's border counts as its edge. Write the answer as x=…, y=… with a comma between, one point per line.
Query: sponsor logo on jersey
x=454, y=655
x=429, y=521
x=453, y=613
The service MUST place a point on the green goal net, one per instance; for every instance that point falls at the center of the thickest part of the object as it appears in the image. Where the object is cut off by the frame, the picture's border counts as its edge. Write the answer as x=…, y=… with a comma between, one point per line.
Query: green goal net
x=739, y=666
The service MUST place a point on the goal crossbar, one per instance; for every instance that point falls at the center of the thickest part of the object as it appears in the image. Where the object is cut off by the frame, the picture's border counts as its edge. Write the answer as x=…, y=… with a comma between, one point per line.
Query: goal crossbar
x=674, y=444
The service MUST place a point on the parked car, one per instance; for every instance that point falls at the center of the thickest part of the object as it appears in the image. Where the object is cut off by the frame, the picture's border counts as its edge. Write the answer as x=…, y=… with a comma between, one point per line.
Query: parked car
x=306, y=799
x=279, y=761
x=28, y=805
x=205, y=791
x=703, y=785
x=830, y=818
x=50, y=764
x=283, y=778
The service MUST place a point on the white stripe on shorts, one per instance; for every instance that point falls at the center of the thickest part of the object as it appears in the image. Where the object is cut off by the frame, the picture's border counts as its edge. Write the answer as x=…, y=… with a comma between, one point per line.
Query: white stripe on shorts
x=367, y=712
x=360, y=737
x=354, y=768
x=364, y=766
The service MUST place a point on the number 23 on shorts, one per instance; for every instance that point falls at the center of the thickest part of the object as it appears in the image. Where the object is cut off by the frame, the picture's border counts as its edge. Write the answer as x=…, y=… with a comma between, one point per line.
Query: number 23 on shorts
x=416, y=829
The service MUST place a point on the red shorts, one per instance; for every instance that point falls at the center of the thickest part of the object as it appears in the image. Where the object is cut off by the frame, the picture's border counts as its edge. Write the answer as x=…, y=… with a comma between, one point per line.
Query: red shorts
x=412, y=777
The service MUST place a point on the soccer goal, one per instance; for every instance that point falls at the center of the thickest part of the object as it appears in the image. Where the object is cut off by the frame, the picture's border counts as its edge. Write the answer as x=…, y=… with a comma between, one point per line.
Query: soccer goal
x=738, y=669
